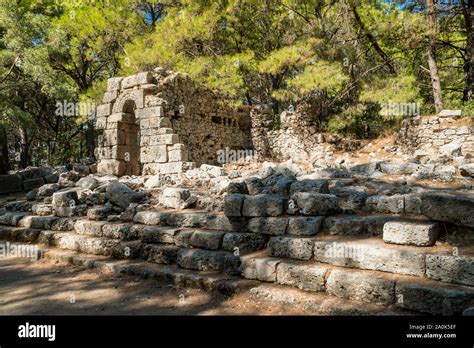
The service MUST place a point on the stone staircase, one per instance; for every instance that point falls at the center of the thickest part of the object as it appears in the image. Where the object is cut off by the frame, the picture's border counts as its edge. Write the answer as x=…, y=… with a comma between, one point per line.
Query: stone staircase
x=305, y=251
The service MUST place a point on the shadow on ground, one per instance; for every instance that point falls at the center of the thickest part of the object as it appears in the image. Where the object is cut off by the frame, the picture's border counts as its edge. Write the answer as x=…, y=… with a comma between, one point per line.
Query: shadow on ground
x=43, y=288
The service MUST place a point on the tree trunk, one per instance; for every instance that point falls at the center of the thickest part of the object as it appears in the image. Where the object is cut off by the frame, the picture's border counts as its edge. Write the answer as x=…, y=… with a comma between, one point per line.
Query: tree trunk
x=468, y=10
x=90, y=135
x=4, y=163
x=432, y=61
x=373, y=41
x=24, y=148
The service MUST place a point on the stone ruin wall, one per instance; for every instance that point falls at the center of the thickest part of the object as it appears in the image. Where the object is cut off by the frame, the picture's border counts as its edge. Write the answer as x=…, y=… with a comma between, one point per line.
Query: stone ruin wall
x=162, y=123
x=204, y=120
x=429, y=135
x=296, y=138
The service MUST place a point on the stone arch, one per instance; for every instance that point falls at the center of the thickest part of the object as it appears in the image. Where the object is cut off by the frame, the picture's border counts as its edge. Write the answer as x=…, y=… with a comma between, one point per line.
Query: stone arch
x=129, y=106
x=124, y=100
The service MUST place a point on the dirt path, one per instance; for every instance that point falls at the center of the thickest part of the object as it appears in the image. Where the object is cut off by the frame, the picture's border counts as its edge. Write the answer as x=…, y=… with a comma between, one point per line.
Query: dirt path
x=44, y=288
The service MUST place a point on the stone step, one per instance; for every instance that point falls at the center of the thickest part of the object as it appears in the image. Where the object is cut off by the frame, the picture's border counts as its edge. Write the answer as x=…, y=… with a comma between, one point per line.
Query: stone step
x=192, y=259
x=318, y=303
x=19, y=234
x=91, y=245
x=182, y=237
x=352, y=225
x=187, y=258
x=204, y=239
x=208, y=260
x=411, y=233
x=170, y=274
x=52, y=223
x=12, y=218
x=43, y=222
x=440, y=262
x=389, y=290
x=104, y=229
x=190, y=218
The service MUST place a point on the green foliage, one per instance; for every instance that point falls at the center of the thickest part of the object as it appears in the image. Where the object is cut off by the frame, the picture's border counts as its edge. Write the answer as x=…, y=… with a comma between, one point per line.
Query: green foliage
x=346, y=58
x=361, y=121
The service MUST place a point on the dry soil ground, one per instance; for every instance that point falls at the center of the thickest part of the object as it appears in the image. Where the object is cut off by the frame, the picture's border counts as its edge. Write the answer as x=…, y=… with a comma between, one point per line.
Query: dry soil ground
x=44, y=288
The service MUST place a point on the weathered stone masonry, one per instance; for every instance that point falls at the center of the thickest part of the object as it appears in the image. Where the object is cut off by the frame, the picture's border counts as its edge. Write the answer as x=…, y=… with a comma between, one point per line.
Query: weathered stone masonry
x=431, y=135
x=163, y=123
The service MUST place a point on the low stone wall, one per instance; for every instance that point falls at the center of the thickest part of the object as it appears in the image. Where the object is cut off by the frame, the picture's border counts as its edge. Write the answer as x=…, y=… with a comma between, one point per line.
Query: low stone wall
x=296, y=137
x=26, y=180
x=434, y=135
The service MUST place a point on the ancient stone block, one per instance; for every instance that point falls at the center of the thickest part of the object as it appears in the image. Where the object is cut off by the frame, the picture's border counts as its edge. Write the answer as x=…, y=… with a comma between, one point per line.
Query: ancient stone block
x=243, y=242
x=450, y=268
x=121, y=117
x=316, y=203
x=148, y=217
x=109, y=97
x=12, y=218
x=350, y=197
x=177, y=153
x=114, y=83
x=154, y=154
x=104, y=110
x=361, y=286
x=310, y=185
x=113, y=167
x=412, y=203
x=291, y=247
x=367, y=256
x=433, y=299
x=89, y=228
x=64, y=203
x=162, y=254
x=121, y=195
x=101, y=122
x=211, y=240
x=99, y=213
x=263, y=205
x=386, y=204
x=173, y=197
x=398, y=168
x=138, y=79
x=467, y=170
x=411, y=233
x=166, y=139
x=156, y=234
x=160, y=122
x=150, y=112
x=233, y=204
x=456, y=208
x=111, y=137
x=264, y=269
x=166, y=168
x=301, y=275
x=268, y=225
x=304, y=226
x=202, y=260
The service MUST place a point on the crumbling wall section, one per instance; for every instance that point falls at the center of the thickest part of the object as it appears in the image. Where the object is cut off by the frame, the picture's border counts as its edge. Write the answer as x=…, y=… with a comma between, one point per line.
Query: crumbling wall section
x=205, y=120
x=435, y=135
x=293, y=135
